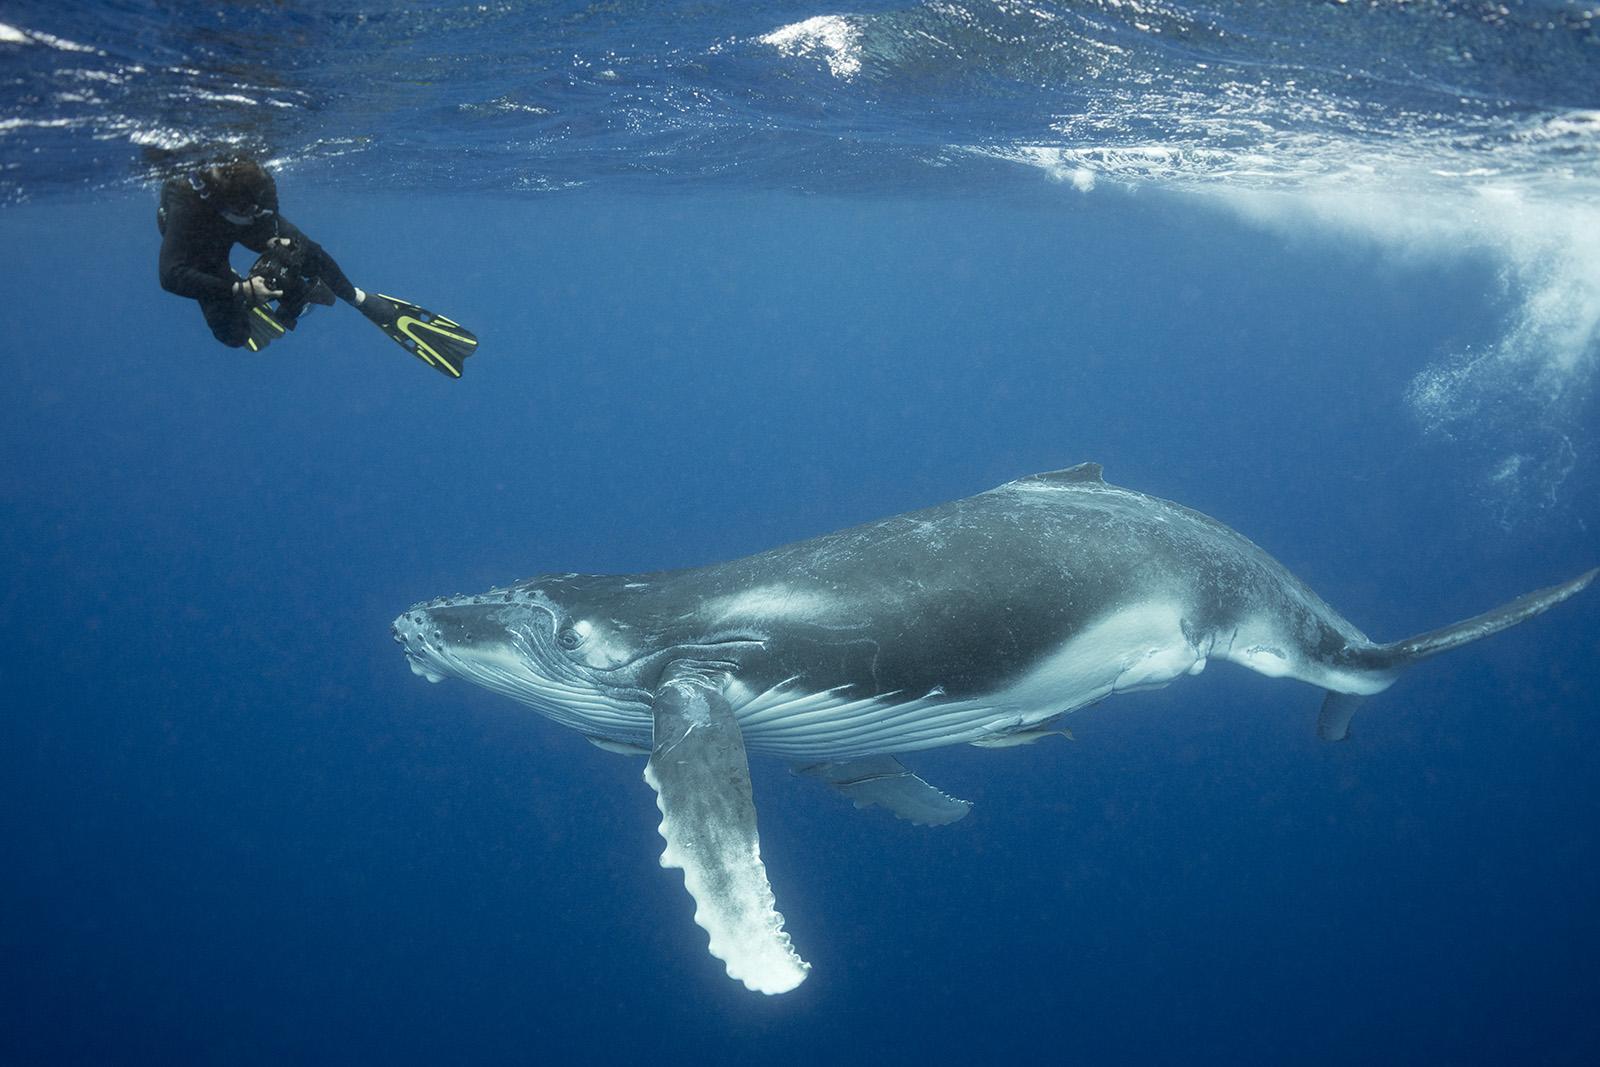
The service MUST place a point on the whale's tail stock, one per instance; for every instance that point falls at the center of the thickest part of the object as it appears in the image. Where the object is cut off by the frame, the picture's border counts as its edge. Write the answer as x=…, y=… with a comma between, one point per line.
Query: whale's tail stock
x=1333, y=724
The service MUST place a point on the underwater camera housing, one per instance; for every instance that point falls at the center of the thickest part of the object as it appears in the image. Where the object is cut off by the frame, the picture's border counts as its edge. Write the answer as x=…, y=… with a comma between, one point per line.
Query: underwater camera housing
x=282, y=267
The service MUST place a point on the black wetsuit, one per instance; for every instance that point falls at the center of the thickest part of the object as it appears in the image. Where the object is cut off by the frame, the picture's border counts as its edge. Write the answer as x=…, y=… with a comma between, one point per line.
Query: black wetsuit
x=195, y=242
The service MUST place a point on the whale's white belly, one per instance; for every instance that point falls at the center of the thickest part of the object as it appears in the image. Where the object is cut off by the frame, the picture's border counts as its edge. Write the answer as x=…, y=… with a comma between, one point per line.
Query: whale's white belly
x=1141, y=647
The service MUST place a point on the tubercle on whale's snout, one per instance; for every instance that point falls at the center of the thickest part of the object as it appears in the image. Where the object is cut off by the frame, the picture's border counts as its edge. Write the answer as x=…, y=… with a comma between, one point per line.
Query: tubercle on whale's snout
x=411, y=632
x=441, y=634
x=453, y=620
x=413, y=626
x=417, y=621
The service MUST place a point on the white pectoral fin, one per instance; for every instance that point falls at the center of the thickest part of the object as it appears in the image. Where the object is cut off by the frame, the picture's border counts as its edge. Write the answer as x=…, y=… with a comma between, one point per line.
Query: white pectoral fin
x=702, y=781
x=885, y=782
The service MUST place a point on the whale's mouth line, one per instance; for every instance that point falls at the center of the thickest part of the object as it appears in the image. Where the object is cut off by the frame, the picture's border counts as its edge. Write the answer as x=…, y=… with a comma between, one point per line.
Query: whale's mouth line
x=525, y=664
x=569, y=698
x=421, y=667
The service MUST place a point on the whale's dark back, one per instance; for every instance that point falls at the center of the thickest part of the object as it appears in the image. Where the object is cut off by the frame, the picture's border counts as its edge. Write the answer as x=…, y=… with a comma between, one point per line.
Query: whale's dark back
x=974, y=592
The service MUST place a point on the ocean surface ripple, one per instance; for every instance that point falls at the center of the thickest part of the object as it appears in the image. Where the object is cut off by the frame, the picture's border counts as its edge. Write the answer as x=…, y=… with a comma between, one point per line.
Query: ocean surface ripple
x=1428, y=128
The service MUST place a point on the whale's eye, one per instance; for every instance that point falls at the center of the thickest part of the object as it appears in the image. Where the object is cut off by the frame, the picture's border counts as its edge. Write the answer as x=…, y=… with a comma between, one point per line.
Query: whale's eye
x=569, y=638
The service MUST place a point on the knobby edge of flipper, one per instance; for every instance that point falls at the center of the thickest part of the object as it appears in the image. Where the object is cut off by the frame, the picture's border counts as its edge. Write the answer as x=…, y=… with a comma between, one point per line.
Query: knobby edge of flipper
x=701, y=778
x=1333, y=722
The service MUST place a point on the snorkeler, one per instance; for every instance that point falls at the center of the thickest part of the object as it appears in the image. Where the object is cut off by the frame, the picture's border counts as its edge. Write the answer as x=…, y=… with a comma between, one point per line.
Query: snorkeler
x=205, y=213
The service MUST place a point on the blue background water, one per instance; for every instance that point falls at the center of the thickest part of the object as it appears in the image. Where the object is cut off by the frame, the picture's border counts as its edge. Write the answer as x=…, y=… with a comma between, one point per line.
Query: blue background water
x=237, y=829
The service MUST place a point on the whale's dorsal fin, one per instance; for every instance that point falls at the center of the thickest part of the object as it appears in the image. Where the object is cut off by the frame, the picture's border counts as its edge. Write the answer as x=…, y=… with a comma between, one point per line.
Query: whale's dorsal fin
x=1083, y=473
x=702, y=781
x=885, y=782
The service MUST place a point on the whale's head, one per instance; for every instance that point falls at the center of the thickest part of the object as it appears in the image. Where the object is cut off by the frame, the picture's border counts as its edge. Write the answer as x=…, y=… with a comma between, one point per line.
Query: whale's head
x=586, y=650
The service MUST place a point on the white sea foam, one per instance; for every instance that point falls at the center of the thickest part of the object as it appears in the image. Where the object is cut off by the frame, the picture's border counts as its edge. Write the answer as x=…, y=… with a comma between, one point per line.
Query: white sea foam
x=1530, y=202
x=1517, y=399
x=12, y=35
x=7, y=125
x=833, y=37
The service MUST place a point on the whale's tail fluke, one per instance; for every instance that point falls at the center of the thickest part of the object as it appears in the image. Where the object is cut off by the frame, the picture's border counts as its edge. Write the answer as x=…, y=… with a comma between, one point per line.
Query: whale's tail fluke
x=1399, y=654
x=1334, y=722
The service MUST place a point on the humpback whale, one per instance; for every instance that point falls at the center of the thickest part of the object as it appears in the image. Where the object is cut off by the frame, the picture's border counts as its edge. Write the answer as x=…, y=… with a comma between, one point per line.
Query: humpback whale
x=983, y=621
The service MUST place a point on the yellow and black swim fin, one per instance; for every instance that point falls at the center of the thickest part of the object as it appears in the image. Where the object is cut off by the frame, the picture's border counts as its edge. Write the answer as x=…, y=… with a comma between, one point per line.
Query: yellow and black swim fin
x=264, y=328
x=439, y=342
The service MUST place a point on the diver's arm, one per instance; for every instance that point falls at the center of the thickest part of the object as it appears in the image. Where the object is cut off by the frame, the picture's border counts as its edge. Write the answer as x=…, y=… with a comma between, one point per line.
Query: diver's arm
x=318, y=264
x=178, y=274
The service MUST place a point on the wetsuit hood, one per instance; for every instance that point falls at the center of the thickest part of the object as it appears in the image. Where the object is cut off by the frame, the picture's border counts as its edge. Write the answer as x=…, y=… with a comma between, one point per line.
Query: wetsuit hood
x=240, y=190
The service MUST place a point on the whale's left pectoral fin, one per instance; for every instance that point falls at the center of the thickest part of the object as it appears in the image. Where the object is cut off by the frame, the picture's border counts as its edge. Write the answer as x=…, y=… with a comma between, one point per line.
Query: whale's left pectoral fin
x=1333, y=723
x=884, y=781
x=702, y=781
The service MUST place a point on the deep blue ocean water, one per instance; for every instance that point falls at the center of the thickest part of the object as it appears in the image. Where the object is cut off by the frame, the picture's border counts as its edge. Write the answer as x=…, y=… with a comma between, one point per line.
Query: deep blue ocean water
x=744, y=274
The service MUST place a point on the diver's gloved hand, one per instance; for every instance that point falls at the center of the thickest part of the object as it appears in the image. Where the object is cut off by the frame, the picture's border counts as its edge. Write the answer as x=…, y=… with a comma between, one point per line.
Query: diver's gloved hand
x=255, y=291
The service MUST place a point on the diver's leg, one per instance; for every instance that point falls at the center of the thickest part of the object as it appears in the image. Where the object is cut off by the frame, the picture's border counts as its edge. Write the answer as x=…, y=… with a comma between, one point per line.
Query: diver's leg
x=228, y=321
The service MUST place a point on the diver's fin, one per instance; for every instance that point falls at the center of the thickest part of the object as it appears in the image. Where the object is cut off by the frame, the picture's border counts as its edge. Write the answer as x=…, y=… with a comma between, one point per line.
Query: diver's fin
x=708, y=817
x=439, y=342
x=264, y=328
x=1333, y=724
x=884, y=781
